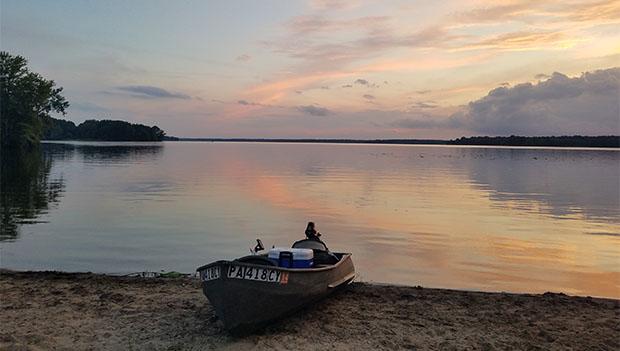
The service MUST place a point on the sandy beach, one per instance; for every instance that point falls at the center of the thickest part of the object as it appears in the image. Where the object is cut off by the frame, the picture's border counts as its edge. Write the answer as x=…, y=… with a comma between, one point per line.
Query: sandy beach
x=62, y=311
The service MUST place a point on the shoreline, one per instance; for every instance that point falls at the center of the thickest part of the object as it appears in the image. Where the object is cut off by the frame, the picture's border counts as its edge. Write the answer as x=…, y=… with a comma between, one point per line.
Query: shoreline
x=103, y=143
x=602, y=142
x=45, y=310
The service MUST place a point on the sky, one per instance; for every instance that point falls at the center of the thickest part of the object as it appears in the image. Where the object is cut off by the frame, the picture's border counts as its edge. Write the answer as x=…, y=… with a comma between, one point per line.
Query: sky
x=329, y=68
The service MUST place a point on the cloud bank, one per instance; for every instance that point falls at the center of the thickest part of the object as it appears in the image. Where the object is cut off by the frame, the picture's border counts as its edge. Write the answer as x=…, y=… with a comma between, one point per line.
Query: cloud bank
x=151, y=92
x=247, y=103
x=314, y=110
x=588, y=104
x=244, y=58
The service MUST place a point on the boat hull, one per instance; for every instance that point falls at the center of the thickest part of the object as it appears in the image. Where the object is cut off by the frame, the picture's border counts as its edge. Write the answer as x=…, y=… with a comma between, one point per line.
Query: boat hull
x=244, y=303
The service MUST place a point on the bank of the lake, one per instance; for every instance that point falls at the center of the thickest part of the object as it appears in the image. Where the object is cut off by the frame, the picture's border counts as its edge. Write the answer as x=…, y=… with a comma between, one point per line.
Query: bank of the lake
x=566, y=141
x=68, y=311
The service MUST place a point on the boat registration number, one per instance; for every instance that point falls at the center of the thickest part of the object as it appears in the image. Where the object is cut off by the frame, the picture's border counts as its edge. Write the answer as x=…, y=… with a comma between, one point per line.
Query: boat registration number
x=259, y=274
x=210, y=273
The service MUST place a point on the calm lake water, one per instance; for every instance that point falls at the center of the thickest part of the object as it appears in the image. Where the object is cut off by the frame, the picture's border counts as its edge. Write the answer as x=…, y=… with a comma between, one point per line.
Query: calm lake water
x=496, y=219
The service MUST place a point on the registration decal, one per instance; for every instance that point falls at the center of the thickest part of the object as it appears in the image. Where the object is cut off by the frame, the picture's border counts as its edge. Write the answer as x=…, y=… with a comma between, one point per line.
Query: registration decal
x=284, y=279
x=268, y=275
x=210, y=273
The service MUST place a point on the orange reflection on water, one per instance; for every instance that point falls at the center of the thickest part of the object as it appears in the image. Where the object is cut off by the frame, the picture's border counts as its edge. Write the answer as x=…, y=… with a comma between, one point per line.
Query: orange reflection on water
x=438, y=228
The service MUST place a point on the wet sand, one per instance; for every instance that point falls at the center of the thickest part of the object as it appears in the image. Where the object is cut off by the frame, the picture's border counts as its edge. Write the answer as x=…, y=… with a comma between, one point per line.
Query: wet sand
x=61, y=311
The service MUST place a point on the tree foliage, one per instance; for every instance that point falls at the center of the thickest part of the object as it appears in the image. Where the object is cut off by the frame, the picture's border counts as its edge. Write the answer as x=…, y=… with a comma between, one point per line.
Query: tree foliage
x=26, y=100
x=105, y=130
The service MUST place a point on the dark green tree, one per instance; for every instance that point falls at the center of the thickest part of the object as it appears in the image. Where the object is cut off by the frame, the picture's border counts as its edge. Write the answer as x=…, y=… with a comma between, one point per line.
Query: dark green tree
x=107, y=130
x=26, y=101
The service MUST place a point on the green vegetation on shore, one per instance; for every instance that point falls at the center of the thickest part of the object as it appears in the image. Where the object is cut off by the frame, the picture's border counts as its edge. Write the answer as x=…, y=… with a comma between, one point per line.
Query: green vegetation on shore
x=105, y=130
x=561, y=141
x=27, y=99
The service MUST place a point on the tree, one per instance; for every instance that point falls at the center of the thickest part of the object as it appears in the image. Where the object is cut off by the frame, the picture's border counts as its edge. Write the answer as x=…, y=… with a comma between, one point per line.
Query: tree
x=26, y=101
x=107, y=130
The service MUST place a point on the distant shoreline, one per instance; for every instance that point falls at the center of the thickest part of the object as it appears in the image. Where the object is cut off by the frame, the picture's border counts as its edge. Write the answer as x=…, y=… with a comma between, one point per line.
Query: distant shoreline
x=319, y=141
x=610, y=141
x=607, y=142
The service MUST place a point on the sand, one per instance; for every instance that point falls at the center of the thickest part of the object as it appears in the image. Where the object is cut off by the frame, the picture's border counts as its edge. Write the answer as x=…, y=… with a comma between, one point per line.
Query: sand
x=61, y=311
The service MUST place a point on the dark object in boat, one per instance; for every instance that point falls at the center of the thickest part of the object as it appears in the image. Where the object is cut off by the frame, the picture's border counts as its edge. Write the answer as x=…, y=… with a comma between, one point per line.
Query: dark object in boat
x=251, y=291
x=321, y=254
x=259, y=246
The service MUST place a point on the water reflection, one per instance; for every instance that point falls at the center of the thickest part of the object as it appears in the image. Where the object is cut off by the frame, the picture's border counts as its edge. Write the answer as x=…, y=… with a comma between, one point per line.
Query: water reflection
x=105, y=153
x=27, y=191
x=452, y=217
x=468, y=218
x=565, y=183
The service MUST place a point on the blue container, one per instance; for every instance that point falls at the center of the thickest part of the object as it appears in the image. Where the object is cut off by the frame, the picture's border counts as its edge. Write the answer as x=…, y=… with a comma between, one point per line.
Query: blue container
x=292, y=258
x=302, y=263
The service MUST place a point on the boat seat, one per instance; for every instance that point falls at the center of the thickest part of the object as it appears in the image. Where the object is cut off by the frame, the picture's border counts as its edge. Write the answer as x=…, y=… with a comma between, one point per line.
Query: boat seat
x=310, y=244
x=322, y=256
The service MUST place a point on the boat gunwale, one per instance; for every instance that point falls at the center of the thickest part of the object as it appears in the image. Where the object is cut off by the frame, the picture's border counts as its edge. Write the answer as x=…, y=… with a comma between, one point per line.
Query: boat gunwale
x=293, y=270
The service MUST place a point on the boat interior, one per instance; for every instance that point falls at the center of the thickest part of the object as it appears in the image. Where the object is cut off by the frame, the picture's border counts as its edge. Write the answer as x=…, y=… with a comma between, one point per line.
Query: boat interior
x=322, y=256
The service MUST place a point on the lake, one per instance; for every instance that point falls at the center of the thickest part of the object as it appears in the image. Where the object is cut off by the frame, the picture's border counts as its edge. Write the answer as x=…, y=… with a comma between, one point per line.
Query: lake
x=476, y=218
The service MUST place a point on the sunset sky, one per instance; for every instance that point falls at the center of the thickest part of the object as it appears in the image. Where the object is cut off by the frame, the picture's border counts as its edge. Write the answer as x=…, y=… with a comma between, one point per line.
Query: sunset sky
x=353, y=69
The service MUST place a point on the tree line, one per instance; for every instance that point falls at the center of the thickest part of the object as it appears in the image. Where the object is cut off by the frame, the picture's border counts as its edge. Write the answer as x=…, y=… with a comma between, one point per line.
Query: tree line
x=558, y=141
x=27, y=100
x=104, y=130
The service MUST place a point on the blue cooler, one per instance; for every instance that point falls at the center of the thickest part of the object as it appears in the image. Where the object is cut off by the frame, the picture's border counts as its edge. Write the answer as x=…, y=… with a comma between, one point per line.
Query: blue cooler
x=291, y=258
